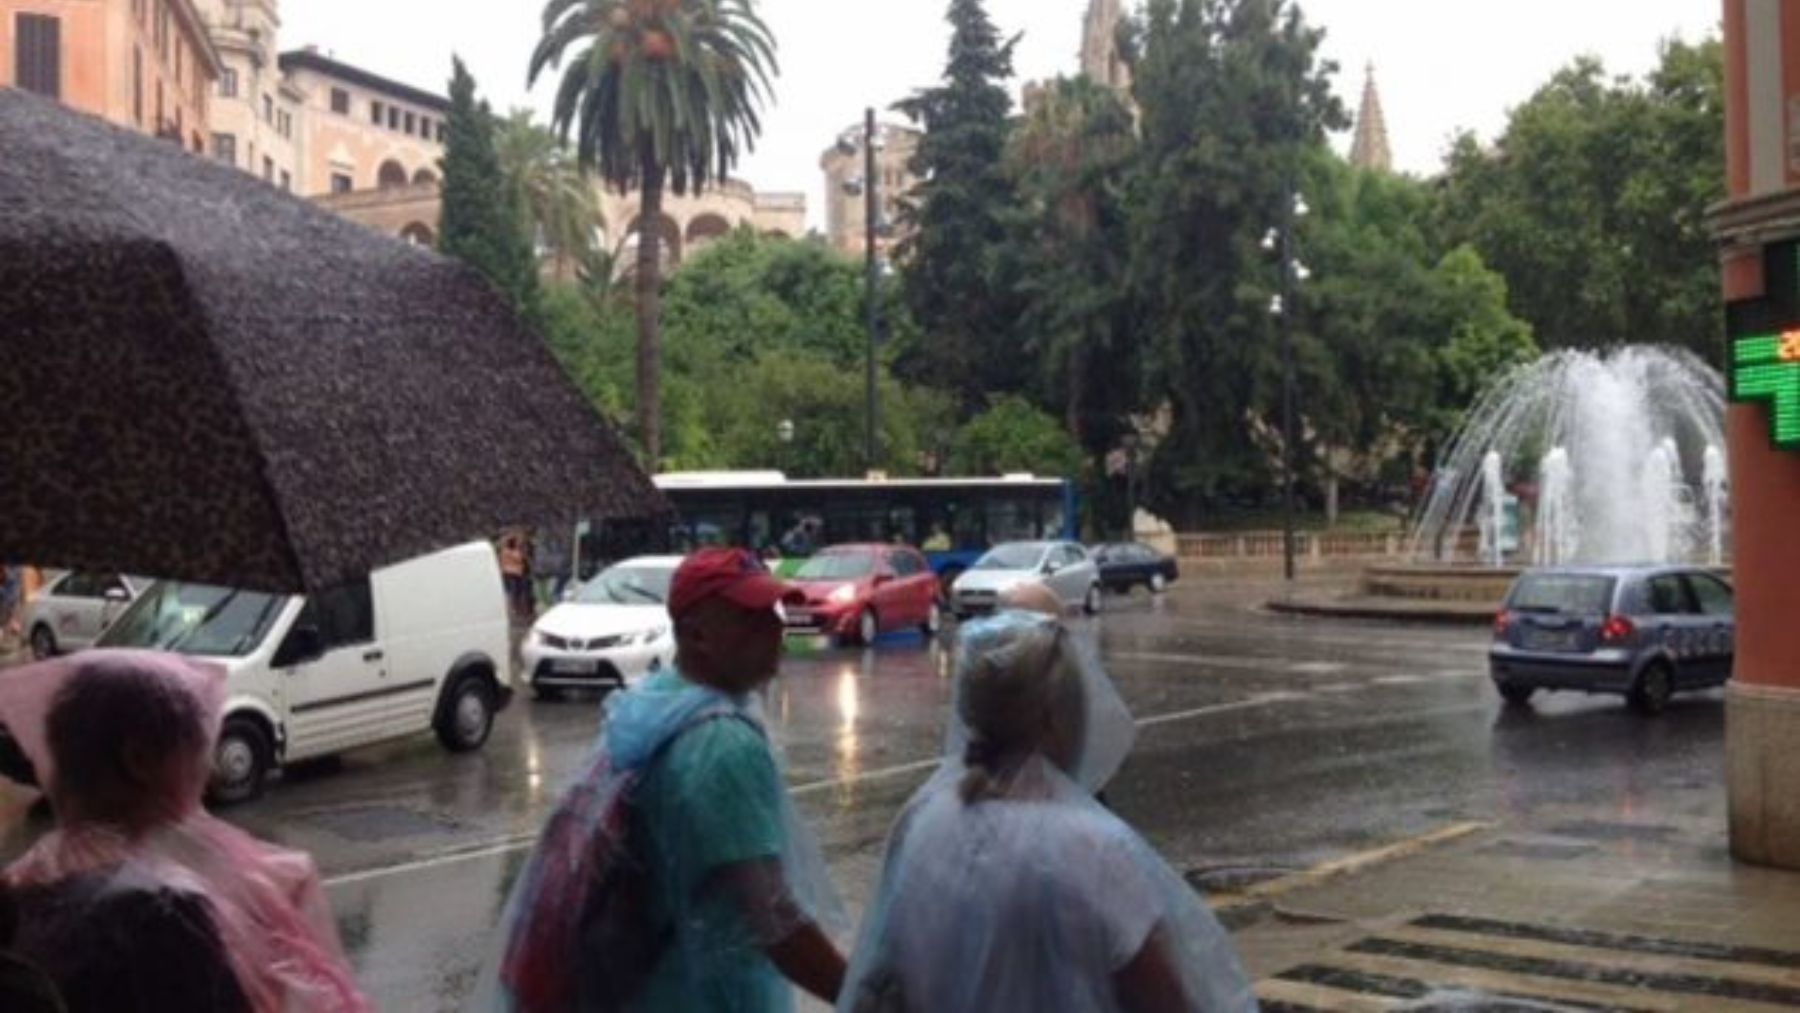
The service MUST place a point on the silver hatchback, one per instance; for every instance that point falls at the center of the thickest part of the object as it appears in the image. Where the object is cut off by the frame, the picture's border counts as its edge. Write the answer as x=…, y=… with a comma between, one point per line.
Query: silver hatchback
x=1644, y=632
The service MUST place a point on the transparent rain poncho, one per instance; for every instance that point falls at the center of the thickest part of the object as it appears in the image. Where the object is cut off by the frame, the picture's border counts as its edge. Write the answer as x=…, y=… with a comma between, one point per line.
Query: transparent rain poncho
x=686, y=786
x=135, y=908
x=1032, y=896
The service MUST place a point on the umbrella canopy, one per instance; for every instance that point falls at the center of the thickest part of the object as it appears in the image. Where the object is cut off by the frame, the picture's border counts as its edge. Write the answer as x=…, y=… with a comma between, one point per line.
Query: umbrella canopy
x=204, y=378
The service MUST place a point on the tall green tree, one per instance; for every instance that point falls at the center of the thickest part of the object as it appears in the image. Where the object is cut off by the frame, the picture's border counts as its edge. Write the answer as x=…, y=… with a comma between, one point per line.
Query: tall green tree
x=958, y=217
x=561, y=206
x=1592, y=203
x=662, y=95
x=483, y=221
x=1234, y=100
x=1068, y=157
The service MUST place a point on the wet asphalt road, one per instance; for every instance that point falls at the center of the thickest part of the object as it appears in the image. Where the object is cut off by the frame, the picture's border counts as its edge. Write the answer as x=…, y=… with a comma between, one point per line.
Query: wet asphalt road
x=1265, y=743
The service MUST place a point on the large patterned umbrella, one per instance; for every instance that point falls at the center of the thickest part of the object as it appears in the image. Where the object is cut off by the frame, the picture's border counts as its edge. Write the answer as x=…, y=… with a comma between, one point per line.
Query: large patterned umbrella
x=204, y=378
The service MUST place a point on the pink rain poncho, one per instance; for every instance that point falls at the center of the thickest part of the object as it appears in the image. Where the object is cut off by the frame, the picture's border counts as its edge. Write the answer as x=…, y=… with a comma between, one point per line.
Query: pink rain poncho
x=266, y=904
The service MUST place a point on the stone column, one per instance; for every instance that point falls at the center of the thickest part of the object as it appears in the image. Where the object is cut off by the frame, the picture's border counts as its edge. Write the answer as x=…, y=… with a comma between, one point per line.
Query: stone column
x=1762, y=39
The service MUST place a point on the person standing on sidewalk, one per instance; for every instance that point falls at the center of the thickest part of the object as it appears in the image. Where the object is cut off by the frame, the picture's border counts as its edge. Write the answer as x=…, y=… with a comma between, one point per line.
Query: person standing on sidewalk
x=1006, y=886
x=514, y=574
x=675, y=874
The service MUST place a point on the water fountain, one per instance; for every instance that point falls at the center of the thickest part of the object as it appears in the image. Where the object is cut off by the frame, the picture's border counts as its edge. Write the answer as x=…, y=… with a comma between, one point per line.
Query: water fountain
x=1623, y=446
x=1713, y=481
x=1578, y=458
x=1558, y=525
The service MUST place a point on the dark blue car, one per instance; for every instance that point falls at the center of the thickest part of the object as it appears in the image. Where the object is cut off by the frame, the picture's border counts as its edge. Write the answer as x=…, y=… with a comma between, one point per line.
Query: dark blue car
x=1125, y=565
x=1643, y=632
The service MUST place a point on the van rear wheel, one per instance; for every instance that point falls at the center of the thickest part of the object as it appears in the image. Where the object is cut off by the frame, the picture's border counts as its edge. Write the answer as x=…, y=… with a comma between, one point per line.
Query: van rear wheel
x=467, y=716
x=241, y=761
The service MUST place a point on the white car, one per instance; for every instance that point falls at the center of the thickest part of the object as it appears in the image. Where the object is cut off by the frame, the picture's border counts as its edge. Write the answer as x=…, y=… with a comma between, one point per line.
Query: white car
x=609, y=634
x=71, y=612
x=1065, y=567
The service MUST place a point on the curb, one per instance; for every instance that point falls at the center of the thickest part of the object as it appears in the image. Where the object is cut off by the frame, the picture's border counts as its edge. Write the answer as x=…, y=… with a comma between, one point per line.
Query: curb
x=1438, y=616
x=1242, y=908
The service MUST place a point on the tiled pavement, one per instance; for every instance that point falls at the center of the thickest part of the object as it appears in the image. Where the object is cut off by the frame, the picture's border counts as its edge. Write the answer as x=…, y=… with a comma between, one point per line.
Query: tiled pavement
x=1579, y=915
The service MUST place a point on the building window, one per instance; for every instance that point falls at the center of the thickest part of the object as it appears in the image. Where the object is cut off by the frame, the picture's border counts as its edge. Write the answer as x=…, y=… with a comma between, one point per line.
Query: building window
x=268, y=169
x=340, y=101
x=37, y=54
x=268, y=110
x=375, y=113
x=341, y=183
x=225, y=148
x=443, y=132
x=286, y=119
x=137, y=85
x=393, y=118
x=162, y=29
x=228, y=83
x=410, y=123
x=287, y=181
x=159, y=106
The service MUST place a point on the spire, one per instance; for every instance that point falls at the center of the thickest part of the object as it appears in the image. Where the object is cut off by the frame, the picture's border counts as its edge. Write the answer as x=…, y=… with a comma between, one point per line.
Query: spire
x=1100, y=45
x=1370, y=148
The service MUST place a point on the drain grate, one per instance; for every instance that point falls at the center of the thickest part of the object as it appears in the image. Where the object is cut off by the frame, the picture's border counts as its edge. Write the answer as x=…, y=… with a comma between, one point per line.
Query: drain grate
x=1543, y=848
x=1220, y=879
x=1594, y=830
x=382, y=823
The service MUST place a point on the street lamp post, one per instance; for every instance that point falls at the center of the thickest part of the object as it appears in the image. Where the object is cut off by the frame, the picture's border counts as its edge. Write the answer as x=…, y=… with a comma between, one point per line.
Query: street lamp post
x=784, y=433
x=1292, y=273
x=872, y=229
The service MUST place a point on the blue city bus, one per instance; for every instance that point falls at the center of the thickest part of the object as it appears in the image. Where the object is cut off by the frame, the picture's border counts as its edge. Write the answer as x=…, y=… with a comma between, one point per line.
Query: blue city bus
x=952, y=520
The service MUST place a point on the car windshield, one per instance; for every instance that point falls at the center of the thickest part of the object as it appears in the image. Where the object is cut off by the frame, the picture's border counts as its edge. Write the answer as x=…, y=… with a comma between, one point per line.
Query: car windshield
x=1563, y=593
x=837, y=566
x=1023, y=556
x=196, y=619
x=628, y=585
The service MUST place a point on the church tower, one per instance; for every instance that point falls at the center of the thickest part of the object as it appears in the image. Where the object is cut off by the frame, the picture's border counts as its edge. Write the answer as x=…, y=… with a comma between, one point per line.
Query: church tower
x=1369, y=149
x=1100, y=45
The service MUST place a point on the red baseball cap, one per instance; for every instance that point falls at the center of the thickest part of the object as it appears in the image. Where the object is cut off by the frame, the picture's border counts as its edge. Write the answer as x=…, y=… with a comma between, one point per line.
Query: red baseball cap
x=733, y=574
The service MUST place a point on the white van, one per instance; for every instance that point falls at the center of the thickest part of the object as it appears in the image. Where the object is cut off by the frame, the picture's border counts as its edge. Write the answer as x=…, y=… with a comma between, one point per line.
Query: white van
x=420, y=645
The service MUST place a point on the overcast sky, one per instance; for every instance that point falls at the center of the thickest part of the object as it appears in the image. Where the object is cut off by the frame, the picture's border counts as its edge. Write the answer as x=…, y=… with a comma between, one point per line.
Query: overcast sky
x=1442, y=65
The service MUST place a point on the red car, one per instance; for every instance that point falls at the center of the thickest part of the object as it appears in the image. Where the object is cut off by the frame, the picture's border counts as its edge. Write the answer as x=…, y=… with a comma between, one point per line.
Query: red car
x=855, y=593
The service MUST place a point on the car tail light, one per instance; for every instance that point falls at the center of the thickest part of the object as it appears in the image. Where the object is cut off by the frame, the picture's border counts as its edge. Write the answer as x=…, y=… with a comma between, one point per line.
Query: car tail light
x=1616, y=630
x=1502, y=623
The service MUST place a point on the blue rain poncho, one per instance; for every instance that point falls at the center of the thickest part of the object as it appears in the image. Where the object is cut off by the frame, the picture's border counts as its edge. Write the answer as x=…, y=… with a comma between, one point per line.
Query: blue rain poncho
x=726, y=865
x=1033, y=896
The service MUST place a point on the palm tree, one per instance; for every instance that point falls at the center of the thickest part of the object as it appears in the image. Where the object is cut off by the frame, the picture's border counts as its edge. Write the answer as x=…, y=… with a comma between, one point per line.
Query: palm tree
x=662, y=94
x=558, y=197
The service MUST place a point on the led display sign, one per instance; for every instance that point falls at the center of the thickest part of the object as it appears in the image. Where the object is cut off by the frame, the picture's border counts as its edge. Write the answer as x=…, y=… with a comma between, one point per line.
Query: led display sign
x=1765, y=345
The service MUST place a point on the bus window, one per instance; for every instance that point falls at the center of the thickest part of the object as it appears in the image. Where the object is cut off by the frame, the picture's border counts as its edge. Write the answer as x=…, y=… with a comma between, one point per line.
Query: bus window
x=902, y=526
x=761, y=533
x=1055, y=522
x=966, y=529
x=1011, y=520
x=803, y=532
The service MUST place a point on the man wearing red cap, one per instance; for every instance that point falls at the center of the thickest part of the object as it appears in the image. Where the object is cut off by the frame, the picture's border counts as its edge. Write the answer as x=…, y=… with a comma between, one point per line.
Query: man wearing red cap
x=732, y=871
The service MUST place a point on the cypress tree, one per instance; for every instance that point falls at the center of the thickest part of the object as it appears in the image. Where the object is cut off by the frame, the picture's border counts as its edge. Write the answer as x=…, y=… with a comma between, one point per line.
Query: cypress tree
x=483, y=222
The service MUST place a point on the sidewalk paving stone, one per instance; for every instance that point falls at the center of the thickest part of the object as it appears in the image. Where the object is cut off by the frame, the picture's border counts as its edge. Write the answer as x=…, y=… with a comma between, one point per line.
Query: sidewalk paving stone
x=1500, y=919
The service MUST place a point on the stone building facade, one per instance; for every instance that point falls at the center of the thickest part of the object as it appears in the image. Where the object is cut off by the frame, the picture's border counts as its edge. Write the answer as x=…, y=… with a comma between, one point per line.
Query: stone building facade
x=255, y=119
x=846, y=213
x=146, y=65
